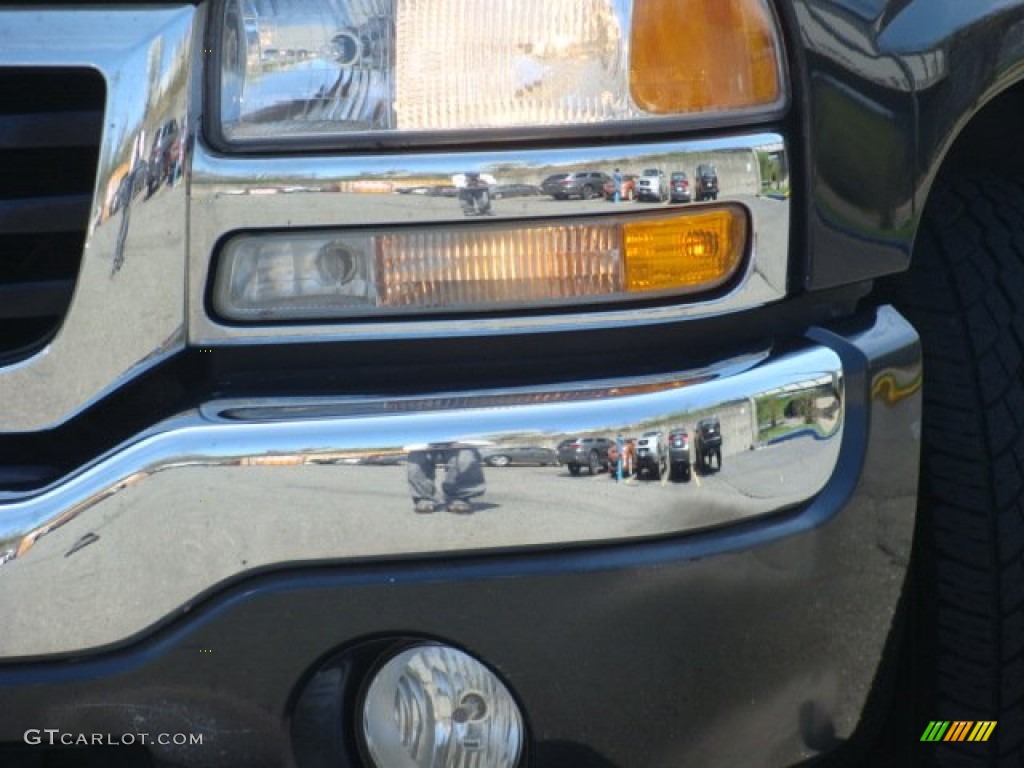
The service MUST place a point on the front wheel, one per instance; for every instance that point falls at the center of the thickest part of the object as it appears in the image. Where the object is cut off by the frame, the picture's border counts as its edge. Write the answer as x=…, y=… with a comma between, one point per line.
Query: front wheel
x=498, y=461
x=594, y=463
x=964, y=294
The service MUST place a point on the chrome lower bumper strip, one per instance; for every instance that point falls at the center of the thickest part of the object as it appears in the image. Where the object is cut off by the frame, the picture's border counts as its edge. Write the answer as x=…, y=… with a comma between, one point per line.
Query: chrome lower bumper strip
x=234, y=487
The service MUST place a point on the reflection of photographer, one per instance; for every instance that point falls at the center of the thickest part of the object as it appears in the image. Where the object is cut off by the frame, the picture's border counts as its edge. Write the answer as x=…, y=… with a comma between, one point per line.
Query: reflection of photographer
x=463, y=476
x=474, y=191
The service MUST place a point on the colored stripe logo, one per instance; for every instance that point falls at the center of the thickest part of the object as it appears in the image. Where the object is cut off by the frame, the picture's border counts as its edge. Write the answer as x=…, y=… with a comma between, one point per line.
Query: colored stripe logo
x=958, y=730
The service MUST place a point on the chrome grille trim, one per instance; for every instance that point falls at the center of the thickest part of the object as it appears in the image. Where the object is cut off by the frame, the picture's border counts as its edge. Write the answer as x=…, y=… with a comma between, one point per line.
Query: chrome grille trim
x=127, y=311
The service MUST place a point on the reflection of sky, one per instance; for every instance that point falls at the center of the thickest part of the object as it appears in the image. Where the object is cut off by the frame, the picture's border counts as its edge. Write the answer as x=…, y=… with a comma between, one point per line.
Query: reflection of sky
x=866, y=9
x=923, y=25
x=157, y=61
x=680, y=403
x=440, y=161
x=596, y=155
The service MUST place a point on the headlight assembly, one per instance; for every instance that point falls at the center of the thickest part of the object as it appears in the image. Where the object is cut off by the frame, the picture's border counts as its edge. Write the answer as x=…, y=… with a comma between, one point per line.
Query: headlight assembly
x=350, y=71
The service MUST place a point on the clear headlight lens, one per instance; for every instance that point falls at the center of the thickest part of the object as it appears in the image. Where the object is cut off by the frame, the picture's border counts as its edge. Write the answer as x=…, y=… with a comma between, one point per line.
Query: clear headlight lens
x=436, y=707
x=327, y=275
x=322, y=68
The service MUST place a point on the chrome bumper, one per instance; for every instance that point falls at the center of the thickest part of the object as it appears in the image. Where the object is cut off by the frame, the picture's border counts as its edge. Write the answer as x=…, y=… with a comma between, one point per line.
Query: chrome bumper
x=235, y=487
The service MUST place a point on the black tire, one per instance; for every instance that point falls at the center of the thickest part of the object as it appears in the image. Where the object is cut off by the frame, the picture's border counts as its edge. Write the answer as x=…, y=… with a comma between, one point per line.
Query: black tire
x=574, y=469
x=594, y=462
x=965, y=295
x=588, y=192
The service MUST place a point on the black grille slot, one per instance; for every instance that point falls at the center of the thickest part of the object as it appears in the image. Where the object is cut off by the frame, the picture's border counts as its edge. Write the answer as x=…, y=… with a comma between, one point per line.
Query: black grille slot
x=50, y=126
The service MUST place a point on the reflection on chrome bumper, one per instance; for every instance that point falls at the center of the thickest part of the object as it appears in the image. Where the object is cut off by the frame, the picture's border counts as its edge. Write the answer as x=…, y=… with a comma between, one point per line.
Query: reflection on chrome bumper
x=237, y=486
x=358, y=193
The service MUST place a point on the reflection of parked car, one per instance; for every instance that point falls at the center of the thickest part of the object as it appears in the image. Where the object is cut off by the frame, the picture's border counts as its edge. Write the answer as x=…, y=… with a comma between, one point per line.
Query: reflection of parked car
x=706, y=182
x=709, y=443
x=679, y=188
x=582, y=184
x=628, y=188
x=652, y=455
x=164, y=157
x=515, y=190
x=651, y=186
x=679, y=454
x=589, y=452
x=507, y=455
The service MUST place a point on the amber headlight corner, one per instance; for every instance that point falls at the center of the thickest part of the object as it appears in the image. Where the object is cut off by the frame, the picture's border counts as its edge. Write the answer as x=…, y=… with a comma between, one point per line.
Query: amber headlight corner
x=280, y=277
x=344, y=73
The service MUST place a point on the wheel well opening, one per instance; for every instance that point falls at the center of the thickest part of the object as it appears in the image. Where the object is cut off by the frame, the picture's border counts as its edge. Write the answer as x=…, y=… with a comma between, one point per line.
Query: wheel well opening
x=991, y=140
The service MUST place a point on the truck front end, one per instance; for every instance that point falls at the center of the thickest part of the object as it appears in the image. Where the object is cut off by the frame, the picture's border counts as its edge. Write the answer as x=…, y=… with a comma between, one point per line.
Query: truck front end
x=243, y=517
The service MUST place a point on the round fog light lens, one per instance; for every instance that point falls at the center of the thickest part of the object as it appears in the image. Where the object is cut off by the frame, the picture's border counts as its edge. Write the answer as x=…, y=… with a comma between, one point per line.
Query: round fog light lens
x=432, y=706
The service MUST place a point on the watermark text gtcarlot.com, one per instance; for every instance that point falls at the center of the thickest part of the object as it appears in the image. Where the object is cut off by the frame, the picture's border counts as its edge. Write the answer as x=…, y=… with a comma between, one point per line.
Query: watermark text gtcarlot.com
x=54, y=737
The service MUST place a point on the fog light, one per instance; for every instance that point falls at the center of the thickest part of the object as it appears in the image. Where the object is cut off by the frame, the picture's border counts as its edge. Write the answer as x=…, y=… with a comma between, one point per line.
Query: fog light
x=432, y=706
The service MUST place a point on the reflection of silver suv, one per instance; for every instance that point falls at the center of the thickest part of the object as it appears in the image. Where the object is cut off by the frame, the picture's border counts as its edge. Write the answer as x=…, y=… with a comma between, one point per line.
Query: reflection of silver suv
x=589, y=452
x=651, y=186
x=652, y=455
x=585, y=185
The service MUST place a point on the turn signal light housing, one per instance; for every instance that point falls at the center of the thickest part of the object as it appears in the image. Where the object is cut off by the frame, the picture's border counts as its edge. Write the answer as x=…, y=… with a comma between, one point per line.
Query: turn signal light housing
x=286, y=276
x=730, y=59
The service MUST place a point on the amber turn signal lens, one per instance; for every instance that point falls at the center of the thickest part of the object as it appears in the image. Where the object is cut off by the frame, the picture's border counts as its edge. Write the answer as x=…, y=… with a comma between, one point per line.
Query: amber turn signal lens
x=699, y=251
x=703, y=55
